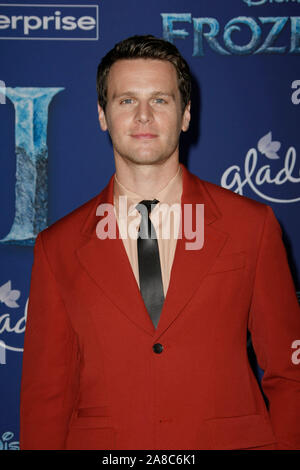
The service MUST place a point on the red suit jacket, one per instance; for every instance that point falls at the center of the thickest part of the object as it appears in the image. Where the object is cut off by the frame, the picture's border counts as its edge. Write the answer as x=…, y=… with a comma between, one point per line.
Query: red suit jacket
x=91, y=377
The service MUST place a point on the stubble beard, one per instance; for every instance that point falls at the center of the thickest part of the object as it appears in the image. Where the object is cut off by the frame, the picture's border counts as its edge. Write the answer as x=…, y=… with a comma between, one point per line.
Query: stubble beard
x=153, y=158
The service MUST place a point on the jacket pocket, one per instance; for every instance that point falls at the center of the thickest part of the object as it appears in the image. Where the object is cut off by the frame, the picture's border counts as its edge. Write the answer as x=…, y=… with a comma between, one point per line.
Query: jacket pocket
x=240, y=432
x=92, y=417
x=91, y=429
x=228, y=263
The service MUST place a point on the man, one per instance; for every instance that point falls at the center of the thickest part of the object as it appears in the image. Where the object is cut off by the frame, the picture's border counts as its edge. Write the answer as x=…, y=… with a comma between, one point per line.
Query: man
x=140, y=342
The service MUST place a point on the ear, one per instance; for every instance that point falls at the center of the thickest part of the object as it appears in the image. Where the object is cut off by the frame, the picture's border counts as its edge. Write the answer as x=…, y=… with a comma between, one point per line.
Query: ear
x=186, y=117
x=102, y=119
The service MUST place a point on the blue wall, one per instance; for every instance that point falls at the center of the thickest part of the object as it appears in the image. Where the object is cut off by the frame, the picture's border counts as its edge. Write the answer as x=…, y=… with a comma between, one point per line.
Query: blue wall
x=244, y=56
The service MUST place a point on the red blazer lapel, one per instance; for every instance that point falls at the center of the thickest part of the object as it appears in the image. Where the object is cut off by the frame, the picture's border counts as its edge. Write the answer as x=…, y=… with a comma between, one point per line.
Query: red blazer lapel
x=107, y=264
x=106, y=261
x=191, y=266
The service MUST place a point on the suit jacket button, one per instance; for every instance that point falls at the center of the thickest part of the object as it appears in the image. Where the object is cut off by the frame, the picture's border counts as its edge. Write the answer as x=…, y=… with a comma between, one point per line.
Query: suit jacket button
x=157, y=348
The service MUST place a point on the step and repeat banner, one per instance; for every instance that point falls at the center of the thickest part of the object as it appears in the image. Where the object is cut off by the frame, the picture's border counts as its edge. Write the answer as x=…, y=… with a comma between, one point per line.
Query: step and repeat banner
x=244, y=56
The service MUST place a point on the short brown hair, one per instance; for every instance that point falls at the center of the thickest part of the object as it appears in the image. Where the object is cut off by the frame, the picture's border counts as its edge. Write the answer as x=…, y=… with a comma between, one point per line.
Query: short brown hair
x=144, y=47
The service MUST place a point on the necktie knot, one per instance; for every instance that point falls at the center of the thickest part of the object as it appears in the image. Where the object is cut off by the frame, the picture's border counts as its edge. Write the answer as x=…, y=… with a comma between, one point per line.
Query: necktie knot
x=146, y=229
x=148, y=204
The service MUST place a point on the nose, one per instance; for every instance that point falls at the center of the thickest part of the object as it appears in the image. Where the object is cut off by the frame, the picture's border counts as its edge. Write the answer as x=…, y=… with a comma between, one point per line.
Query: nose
x=144, y=113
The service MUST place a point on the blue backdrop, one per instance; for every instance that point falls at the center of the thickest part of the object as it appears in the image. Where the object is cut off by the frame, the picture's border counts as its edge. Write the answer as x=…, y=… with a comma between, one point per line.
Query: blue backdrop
x=244, y=56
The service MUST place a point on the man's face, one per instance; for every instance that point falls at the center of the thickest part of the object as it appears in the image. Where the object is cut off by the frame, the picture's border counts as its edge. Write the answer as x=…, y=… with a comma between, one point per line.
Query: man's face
x=143, y=113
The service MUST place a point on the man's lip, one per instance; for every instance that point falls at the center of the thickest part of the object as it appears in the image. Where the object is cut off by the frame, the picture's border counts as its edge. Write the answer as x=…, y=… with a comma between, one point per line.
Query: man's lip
x=144, y=136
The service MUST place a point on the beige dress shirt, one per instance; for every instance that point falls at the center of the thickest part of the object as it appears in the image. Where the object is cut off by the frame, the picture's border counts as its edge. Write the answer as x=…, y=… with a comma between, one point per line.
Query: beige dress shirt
x=165, y=218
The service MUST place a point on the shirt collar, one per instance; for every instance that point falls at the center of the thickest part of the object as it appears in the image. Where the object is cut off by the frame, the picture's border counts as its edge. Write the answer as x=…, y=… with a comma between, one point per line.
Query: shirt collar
x=170, y=194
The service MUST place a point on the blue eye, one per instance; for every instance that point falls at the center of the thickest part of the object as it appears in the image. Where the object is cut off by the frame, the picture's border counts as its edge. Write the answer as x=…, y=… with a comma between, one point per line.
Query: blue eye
x=160, y=100
x=126, y=101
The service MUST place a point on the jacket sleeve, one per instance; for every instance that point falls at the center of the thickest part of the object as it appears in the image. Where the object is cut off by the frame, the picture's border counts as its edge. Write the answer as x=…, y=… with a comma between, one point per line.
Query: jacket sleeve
x=50, y=362
x=274, y=323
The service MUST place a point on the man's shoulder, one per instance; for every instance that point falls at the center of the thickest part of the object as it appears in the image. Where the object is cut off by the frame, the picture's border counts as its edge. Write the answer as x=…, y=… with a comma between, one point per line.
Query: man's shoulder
x=236, y=214
x=226, y=195
x=232, y=209
x=69, y=227
x=225, y=199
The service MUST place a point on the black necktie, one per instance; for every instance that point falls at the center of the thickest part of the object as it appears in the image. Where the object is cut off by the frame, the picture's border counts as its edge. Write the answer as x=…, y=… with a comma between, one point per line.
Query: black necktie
x=151, y=285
